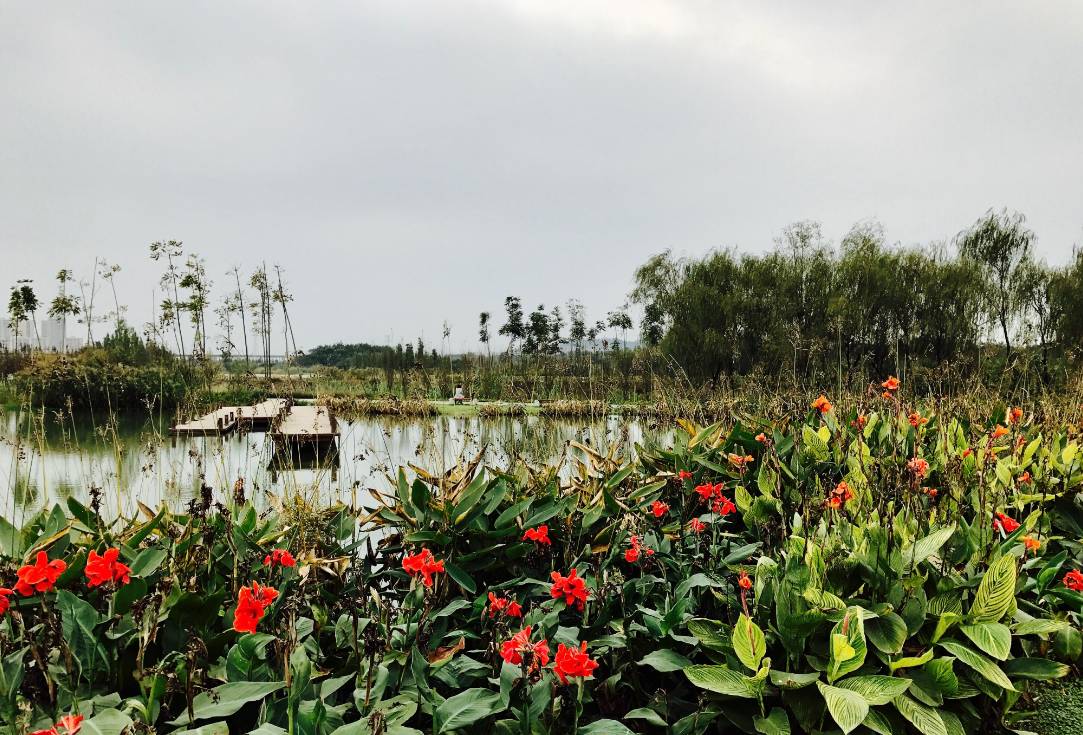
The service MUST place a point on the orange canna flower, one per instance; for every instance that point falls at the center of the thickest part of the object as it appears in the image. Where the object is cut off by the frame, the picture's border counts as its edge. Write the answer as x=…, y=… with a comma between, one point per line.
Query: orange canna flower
x=822, y=405
x=918, y=466
x=999, y=431
x=744, y=581
x=738, y=461
x=892, y=383
x=1031, y=543
x=916, y=419
x=1015, y=415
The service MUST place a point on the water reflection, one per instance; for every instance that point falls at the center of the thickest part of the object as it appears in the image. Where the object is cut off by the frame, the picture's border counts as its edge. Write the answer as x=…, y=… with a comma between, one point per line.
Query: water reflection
x=44, y=459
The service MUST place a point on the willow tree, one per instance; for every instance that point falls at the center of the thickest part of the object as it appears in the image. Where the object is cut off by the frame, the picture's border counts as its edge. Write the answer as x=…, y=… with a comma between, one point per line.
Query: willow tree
x=1001, y=242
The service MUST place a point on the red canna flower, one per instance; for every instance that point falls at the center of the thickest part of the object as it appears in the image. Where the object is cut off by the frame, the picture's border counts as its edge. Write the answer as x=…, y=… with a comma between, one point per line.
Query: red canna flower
x=40, y=576
x=633, y=553
x=1025, y=478
x=504, y=605
x=539, y=535
x=423, y=563
x=573, y=662
x=892, y=383
x=708, y=491
x=5, y=603
x=496, y=604
x=744, y=581
x=999, y=431
x=105, y=568
x=572, y=589
x=822, y=405
x=918, y=466
x=279, y=557
x=1015, y=415
x=684, y=475
x=967, y=452
x=71, y=723
x=916, y=419
x=659, y=509
x=860, y=421
x=1073, y=580
x=723, y=506
x=1004, y=523
x=515, y=648
x=930, y=491
x=252, y=603
x=696, y=525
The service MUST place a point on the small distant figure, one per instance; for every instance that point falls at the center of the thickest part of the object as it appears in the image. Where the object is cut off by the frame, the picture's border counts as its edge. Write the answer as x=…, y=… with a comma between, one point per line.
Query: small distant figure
x=459, y=397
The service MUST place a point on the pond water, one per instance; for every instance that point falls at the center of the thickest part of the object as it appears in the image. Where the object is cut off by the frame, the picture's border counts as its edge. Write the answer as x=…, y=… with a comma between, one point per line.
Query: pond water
x=44, y=460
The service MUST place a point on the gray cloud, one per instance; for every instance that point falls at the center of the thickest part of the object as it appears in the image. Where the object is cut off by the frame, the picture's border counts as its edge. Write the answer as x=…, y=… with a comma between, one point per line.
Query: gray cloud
x=408, y=163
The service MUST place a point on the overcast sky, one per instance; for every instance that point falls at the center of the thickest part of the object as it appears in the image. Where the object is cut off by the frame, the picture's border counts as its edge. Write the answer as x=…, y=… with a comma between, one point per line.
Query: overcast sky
x=411, y=162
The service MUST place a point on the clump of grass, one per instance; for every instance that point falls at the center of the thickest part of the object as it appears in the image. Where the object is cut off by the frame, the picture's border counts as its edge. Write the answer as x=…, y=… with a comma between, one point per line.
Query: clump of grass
x=388, y=406
x=574, y=409
x=493, y=410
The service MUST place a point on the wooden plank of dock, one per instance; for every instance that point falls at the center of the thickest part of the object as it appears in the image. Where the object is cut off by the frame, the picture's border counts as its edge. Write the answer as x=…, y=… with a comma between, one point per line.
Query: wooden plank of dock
x=306, y=425
x=263, y=414
x=220, y=421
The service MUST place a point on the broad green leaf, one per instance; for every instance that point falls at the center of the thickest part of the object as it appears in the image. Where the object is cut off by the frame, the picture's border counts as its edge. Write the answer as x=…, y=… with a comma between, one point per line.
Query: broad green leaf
x=748, y=642
x=776, y=723
x=696, y=580
x=925, y=547
x=993, y=638
x=786, y=680
x=1041, y=669
x=647, y=714
x=979, y=663
x=847, y=708
x=710, y=633
x=465, y=708
x=78, y=619
x=924, y=718
x=996, y=592
x=907, y=662
x=876, y=689
x=1040, y=626
x=109, y=722
x=847, y=644
x=148, y=561
x=224, y=700
x=887, y=632
x=604, y=727
x=720, y=679
x=665, y=660
x=878, y=723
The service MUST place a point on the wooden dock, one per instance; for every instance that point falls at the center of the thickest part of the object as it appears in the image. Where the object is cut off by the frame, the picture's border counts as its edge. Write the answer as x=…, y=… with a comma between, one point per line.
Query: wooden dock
x=305, y=425
x=222, y=421
x=261, y=416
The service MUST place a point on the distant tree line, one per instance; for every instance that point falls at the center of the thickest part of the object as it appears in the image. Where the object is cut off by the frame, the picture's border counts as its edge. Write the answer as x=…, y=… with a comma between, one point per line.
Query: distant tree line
x=808, y=309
